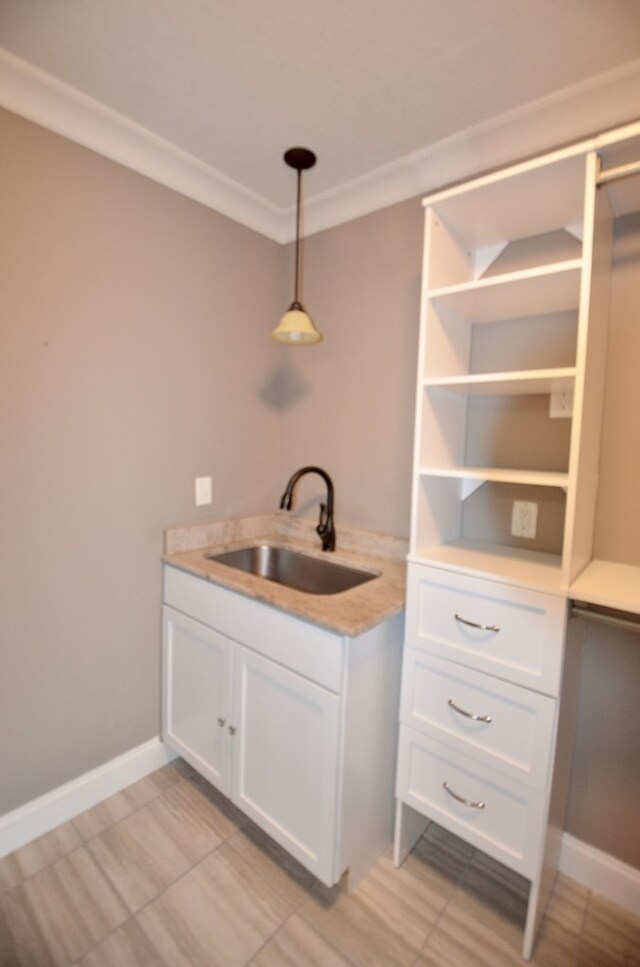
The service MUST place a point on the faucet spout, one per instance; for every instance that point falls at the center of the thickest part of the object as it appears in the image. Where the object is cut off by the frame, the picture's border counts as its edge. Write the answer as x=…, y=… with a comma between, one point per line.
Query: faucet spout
x=325, y=528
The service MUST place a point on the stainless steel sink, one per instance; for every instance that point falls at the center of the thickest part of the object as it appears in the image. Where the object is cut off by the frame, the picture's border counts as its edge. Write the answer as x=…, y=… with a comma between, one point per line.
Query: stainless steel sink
x=293, y=569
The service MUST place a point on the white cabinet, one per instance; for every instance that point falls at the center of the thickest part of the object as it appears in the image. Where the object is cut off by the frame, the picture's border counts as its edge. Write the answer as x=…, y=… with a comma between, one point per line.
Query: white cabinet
x=483, y=673
x=295, y=724
x=512, y=313
x=513, y=330
x=477, y=736
x=263, y=735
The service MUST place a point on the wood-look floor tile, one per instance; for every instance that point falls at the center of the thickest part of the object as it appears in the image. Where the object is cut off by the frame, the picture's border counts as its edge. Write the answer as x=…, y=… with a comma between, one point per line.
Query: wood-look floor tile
x=30, y=859
x=567, y=905
x=504, y=891
x=111, y=810
x=181, y=767
x=145, y=790
x=211, y=917
x=358, y=925
x=470, y=934
x=218, y=811
x=555, y=946
x=446, y=853
x=150, y=849
x=8, y=953
x=296, y=944
x=408, y=900
x=61, y=912
x=611, y=936
x=280, y=882
x=107, y=813
x=126, y=947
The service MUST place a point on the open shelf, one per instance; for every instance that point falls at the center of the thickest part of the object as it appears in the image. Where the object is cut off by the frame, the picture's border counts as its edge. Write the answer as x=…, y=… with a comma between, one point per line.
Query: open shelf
x=529, y=292
x=532, y=478
x=609, y=585
x=522, y=382
x=527, y=199
x=508, y=260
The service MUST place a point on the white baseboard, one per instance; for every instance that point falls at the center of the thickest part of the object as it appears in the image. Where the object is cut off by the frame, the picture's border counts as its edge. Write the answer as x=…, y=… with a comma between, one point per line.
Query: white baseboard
x=601, y=872
x=46, y=812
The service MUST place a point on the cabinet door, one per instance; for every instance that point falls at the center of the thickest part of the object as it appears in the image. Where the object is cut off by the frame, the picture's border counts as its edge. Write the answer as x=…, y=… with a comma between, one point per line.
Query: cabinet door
x=286, y=759
x=197, y=695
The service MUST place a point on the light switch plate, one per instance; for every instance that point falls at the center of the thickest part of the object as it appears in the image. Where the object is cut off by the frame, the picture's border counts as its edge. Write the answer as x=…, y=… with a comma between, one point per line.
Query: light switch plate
x=203, y=491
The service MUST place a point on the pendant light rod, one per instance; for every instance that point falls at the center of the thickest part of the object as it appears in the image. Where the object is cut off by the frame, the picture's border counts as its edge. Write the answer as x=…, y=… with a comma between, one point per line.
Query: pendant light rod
x=301, y=159
x=296, y=286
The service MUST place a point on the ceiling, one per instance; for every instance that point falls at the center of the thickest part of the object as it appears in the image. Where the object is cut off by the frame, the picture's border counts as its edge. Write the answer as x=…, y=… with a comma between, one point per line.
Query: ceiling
x=367, y=84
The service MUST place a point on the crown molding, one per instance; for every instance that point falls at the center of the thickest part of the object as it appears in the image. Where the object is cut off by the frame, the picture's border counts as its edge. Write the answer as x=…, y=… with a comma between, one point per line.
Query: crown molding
x=575, y=113
x=39, y=97
x=601, y=102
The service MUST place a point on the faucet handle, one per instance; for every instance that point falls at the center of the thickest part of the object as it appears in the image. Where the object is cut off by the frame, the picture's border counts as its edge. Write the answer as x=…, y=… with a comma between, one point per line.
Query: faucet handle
x=324, y=520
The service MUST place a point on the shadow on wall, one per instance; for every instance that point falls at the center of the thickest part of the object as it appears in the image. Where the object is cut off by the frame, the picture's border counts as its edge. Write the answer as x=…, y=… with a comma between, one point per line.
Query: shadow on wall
x=284, y=388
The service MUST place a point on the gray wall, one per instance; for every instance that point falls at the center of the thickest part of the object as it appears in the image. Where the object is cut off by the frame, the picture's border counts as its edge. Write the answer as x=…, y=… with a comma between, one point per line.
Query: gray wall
x=350, y=403
x=135, y=356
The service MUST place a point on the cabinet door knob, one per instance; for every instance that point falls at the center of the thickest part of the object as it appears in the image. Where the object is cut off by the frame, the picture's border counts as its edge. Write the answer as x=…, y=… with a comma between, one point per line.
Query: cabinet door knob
x=465, y=802
x=232, y=730
x=221, y=723
x=475, y=624
x=469, y=715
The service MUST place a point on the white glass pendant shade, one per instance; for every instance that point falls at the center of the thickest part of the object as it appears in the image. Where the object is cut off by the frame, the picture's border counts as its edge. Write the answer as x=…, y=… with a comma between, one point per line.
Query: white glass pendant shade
x=296, y=327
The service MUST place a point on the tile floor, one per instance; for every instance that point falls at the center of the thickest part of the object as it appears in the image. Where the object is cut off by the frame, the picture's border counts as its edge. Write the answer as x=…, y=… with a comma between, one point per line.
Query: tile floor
x=168, y=873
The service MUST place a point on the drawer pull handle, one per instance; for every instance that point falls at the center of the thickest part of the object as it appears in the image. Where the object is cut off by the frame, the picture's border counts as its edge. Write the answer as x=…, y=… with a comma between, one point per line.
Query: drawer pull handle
x=469, y=715
x=475, y=624
x=221, y=723
x=232, y=730
x=465, y=802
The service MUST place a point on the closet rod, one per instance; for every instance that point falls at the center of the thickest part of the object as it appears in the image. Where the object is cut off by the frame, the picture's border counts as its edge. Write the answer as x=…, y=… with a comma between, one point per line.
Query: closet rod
x=631, y=623
x=622, y=171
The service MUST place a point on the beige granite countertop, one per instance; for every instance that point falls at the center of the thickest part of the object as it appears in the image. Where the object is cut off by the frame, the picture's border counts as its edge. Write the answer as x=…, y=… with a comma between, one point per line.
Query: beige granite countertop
x=348, y=613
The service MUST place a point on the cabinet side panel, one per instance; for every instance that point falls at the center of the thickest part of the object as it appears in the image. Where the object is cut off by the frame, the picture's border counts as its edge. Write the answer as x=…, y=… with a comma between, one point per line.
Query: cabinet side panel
x=591, y=367
x=370, y=747
x=544, y=876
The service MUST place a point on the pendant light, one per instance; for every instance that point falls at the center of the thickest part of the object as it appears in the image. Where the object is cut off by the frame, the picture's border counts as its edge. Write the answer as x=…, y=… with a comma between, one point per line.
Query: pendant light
x=296, y=326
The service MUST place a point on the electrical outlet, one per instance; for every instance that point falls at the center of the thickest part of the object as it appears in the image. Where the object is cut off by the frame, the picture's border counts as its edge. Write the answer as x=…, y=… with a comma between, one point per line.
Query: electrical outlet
x=203, y=491
x=561, y=404
x=524, y=519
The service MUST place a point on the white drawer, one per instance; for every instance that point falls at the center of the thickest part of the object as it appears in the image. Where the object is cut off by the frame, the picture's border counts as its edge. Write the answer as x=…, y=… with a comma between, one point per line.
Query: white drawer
x=513, y=728
x=304, y=648
x=508, y=827
x=521, y=633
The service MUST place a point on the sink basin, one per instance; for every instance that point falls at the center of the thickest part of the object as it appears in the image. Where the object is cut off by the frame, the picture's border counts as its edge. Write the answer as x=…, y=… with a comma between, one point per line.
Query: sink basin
x=293, y=569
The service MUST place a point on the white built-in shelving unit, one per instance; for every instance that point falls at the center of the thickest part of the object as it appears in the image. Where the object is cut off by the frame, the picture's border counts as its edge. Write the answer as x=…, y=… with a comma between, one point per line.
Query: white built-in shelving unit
x=511, y=370
x=493, y=339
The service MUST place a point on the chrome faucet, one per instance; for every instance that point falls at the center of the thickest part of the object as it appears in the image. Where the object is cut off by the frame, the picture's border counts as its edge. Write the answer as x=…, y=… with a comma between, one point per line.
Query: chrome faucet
x=325, y=525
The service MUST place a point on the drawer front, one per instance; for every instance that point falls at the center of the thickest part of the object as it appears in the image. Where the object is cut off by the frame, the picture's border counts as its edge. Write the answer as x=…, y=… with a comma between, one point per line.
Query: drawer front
x=304, y=648
x=502, y=726
x=521, y=633
x=510, y=824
